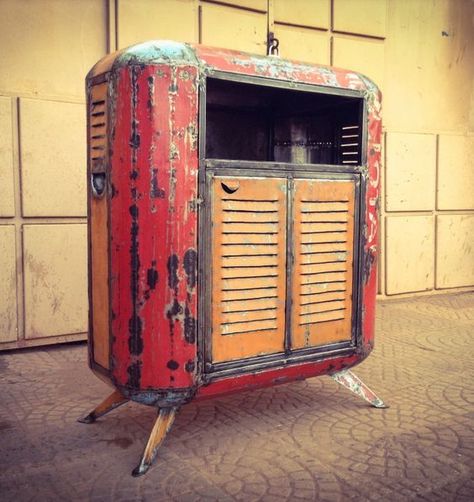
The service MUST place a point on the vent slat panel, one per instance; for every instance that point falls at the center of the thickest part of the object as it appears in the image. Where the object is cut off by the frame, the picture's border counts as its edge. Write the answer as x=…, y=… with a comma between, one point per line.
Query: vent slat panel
x=252, y=272
x=249, y=305
x=260, y=206
x=249, y=217
x=248, y=294
x=323, y=217
x=332, y=237
x=244, y=250
x=337, y=247
x=248, y=276
x=238, y=284
x=97, y=109
x=247, y=238
x=309, y=289
x=320, y=307
x=322, y=298
x=250, y=261
x=324, y=317
x=246, y=317
x=323, y=227
x=322, y=280
x=246, y=228
x=338, y=266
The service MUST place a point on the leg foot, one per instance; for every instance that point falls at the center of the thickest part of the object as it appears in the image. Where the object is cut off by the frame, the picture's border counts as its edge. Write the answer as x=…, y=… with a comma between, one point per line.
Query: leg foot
x=162, y=425
x=113, y=401
x=347, y=379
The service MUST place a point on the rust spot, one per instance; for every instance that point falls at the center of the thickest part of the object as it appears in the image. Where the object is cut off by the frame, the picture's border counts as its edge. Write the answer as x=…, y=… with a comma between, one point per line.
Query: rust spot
x=135, y=341
x=189, y=366
x=152, y=277
x=134, y=374
x=135, y=137
x=172, y=364
x=369, y=261
x=155, y=191
x=173, y=313
x=172, y=266
x=189, y=326
x=190, y=265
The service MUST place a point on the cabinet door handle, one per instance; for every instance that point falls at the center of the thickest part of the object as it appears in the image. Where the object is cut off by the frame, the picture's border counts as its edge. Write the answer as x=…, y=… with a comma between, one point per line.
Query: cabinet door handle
x=230, y=189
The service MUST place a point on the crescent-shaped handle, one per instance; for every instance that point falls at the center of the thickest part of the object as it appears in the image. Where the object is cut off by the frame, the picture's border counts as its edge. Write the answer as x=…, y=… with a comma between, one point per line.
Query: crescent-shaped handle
x=230, y=188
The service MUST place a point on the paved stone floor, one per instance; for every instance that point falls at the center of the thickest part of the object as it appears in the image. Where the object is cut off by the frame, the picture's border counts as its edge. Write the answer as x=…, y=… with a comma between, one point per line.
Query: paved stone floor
x=302, y=441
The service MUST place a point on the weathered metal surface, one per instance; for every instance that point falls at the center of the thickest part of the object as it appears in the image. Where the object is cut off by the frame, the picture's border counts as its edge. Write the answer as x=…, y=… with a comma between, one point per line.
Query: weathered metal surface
x=350, y=381
x=153, y=229
x=152, y=133
x=150, y=271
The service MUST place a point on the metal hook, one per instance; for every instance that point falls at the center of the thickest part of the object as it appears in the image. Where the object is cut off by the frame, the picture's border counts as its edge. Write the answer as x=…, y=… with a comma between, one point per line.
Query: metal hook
x=273, y=45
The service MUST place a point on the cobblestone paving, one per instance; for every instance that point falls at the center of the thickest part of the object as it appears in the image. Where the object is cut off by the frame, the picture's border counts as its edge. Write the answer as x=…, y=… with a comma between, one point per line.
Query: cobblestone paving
x=309, y=440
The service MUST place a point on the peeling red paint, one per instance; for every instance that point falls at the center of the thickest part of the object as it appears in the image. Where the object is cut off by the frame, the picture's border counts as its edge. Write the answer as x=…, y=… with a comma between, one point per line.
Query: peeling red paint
x=153, y=218
x=163, y=162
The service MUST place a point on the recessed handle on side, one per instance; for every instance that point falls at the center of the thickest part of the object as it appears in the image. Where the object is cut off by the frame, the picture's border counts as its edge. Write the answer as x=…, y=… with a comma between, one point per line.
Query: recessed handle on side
x=98, y=184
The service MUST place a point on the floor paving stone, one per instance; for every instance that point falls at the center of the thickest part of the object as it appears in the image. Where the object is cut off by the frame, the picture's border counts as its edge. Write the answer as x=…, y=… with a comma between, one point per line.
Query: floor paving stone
x=307, y=440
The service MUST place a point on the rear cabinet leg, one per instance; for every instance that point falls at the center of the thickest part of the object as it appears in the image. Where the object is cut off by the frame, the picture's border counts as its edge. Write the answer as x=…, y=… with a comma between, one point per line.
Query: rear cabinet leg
x=348, y=380
x=115, y=400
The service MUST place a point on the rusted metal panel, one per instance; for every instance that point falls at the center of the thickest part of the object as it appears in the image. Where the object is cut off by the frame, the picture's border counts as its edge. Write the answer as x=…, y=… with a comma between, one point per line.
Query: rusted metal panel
x=153, y=226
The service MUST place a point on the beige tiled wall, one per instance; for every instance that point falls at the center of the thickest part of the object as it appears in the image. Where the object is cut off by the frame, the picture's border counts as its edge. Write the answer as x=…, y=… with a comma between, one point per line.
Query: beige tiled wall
x=410, y=172
x=7, y=198
x=55, y=279
x=410, y=254
x=420, y=53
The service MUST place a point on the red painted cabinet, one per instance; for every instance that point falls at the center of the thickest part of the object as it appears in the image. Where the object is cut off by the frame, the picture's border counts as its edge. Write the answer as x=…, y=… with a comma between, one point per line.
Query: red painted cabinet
x=232, y=224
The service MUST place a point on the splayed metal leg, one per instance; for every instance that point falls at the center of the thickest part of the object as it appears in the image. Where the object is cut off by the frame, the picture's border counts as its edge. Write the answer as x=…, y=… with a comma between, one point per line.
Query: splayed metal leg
x=348, y=380
x=163, y=423
x=115, y=400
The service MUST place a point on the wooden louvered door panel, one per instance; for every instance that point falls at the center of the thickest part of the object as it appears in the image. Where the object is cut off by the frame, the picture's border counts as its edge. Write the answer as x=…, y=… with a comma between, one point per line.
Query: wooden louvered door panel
x=323, y=257
x=248, y=266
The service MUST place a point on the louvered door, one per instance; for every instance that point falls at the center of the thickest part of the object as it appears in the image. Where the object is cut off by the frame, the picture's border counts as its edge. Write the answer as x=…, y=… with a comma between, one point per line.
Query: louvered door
x=248, y=266
x=322, y=272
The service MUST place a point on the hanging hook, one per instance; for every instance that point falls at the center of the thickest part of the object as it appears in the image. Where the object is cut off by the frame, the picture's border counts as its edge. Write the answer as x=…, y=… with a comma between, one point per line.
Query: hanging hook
x=272, y=45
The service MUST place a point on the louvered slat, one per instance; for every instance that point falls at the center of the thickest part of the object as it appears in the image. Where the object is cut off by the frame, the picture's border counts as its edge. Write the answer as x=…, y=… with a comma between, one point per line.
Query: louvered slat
x=98, y=123
x=248, y=276
x=322, y=277
x=350, y=144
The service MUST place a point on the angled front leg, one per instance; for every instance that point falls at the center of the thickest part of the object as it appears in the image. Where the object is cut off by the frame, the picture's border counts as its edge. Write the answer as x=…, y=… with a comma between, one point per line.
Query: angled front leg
x=113, y=401
x=348, y=380
x=163, y=423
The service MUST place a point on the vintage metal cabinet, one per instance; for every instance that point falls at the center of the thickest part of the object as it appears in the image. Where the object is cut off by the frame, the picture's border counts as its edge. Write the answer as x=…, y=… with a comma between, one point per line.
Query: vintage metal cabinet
x=232, y=224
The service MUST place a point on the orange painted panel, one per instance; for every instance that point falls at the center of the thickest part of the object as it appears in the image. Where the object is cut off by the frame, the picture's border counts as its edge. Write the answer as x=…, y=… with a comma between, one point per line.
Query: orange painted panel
x=323, y=249
x=99, y=234
x=249, y=267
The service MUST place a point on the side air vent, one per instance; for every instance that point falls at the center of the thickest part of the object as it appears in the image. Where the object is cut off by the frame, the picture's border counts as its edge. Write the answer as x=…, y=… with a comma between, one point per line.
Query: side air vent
x=98, y=124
